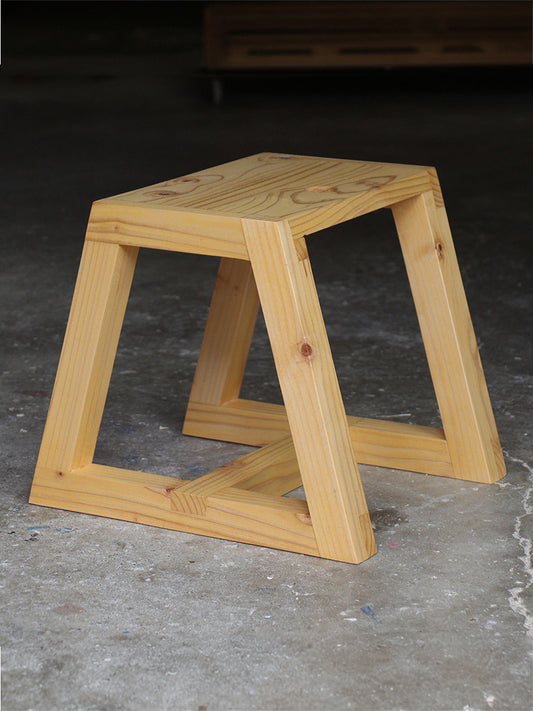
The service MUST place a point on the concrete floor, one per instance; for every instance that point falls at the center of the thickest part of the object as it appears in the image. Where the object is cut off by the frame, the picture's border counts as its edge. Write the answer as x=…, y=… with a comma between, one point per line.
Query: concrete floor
x=100, y=614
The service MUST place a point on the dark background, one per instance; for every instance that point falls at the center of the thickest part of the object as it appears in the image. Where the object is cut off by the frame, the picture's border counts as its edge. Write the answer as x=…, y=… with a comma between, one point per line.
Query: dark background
x=99, y=98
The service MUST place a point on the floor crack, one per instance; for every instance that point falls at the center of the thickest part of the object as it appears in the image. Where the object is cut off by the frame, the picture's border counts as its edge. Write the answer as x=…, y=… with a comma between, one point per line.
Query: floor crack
x=516, y=601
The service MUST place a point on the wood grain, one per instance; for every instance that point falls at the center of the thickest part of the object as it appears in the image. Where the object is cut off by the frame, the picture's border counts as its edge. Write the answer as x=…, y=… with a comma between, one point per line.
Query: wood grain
x=201, y=212
x=232, y=514
x=271, y=470
x=449, y=339
x=311, y=392
x=87, y=356
x=381, y=443
x=152, y=227
x=227, y=337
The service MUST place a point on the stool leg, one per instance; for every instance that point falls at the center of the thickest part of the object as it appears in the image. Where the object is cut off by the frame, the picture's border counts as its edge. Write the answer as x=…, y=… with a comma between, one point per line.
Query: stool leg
x=84, y=371
x=228, y=334
x=449, y=339
x=311, y=392
x=223, y=355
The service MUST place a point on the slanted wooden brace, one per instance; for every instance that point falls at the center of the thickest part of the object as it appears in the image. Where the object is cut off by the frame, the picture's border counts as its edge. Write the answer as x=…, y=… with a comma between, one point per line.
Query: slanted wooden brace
x=255, y=214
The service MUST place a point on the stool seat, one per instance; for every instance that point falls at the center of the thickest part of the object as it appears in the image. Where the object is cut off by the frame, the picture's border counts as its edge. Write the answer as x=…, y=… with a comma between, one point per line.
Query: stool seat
x=255, y=213
x=308, y=193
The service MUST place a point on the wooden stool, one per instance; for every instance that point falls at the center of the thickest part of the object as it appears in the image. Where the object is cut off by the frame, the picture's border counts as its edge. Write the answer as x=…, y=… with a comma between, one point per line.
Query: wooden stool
x=255, y=213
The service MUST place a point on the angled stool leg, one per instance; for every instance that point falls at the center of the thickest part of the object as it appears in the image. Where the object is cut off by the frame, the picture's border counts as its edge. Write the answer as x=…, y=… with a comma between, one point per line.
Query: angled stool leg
x=311, y=392
x=223, y=355
x=228, y=334
x=449, y=338
x=84, y=371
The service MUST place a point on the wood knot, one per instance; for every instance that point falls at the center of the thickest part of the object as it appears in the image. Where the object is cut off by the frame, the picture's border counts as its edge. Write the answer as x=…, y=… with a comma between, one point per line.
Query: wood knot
x=305, y=349
x=320, y=188
x=439, y=248
x=150, y=194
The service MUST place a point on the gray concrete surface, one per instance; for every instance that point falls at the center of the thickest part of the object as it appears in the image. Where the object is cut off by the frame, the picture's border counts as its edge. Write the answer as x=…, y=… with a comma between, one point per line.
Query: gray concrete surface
x=100, y=614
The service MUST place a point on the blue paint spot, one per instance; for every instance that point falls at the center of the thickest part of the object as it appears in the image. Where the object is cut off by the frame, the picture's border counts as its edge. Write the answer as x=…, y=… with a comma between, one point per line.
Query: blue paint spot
x=37, y=528
x=126, y=632
x=199, y=470
x=126, y=430
x=369, y=612
x=131, y=458
x=64, y=530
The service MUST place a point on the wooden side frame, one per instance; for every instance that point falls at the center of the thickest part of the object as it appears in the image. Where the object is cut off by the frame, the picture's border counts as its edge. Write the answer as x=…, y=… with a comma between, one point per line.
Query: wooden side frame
x=467, y=447
x=241, y=501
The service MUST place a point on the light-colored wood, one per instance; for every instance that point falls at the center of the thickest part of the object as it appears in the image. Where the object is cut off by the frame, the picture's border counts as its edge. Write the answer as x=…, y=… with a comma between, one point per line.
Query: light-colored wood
x=201, y=212
x=280, y=475
x=271, y=470
x=253, y=213
x=398, y=445
x=382, y=443
x=151, y=225
x=449, y=339
x=311, y=392
x=274, y=521
x=227, y=337
x=241, y=421
x=232, y=514
x=87, y=357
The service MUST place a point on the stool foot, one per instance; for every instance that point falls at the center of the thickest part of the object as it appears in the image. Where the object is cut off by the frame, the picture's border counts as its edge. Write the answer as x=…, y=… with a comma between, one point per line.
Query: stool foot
x=230, y=512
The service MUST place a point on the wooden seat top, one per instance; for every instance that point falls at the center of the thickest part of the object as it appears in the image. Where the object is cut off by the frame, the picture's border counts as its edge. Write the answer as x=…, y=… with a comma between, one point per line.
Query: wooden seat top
x=307, y=192
x=276, y=186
